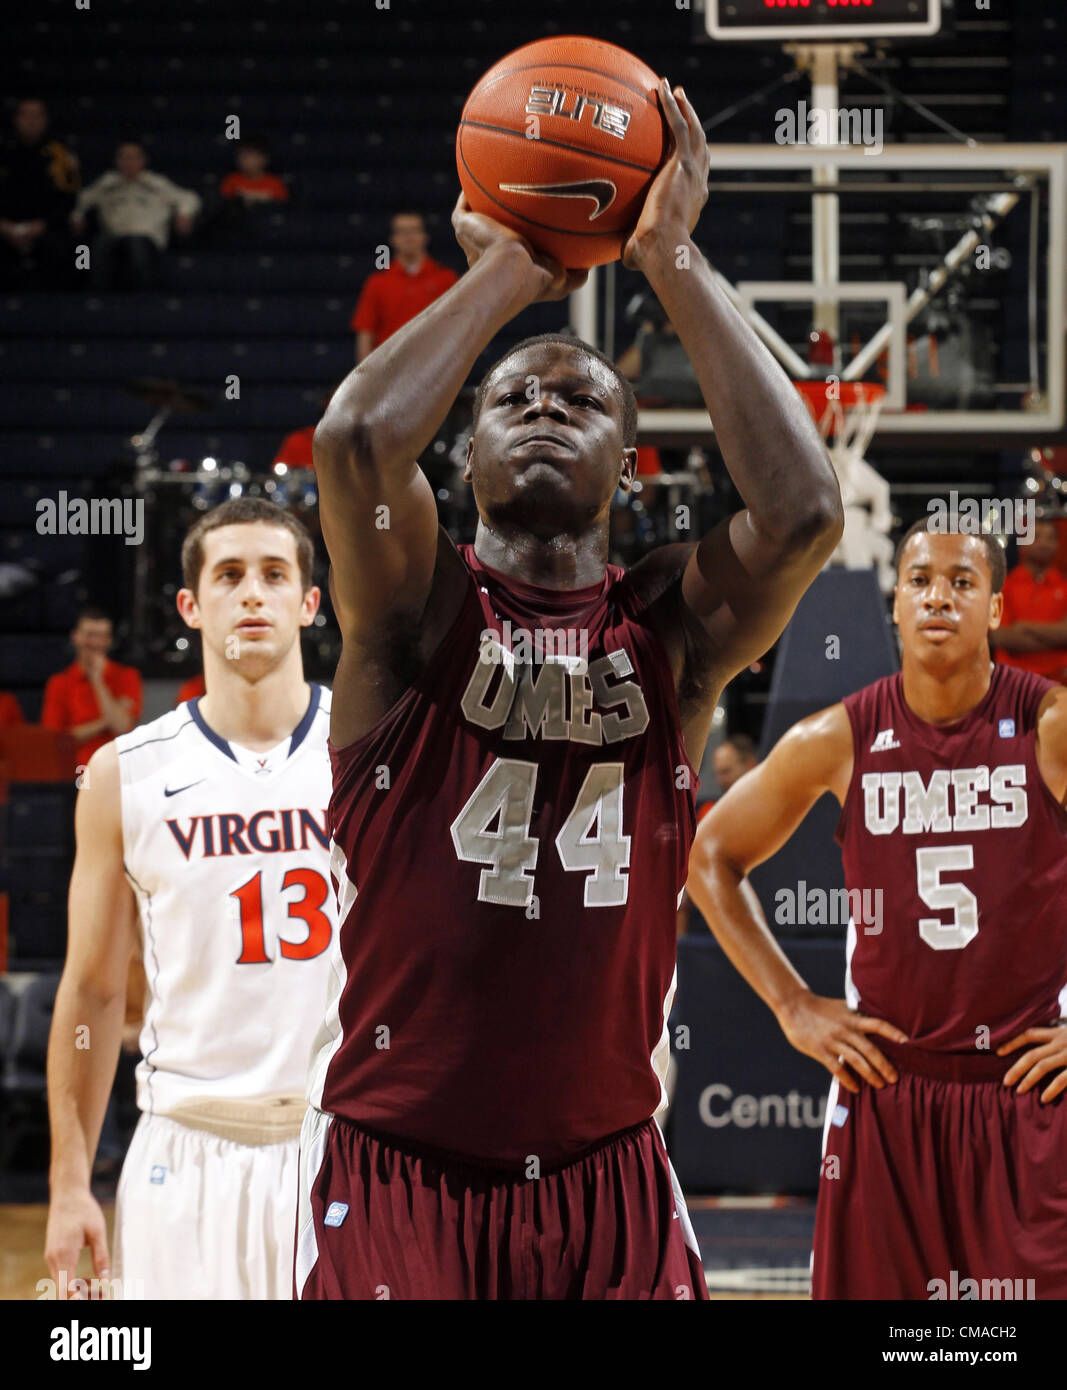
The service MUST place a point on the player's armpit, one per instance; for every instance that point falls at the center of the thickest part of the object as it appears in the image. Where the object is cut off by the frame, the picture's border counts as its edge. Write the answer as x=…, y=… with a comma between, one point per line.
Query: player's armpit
x=742, y=585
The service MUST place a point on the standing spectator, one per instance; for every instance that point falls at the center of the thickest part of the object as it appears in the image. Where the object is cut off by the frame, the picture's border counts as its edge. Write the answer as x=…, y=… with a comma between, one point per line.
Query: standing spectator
x=134, y=206
x=250, y=182
x=94, y=698
x=1033, y=628
x=39, y=179
x=390, y=298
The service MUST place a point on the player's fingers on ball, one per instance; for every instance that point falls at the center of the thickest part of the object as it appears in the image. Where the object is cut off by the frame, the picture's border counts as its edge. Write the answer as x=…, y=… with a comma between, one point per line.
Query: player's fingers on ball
x=692, y=120
x=671, y=110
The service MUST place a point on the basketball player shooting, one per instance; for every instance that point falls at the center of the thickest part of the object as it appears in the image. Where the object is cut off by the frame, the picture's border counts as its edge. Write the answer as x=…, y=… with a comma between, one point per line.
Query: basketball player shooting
x=204, y=833
x=512, y=831
x=945, y=1159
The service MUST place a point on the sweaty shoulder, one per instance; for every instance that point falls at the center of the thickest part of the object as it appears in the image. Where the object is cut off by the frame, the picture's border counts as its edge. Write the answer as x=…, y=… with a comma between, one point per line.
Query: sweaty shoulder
x=819, y=749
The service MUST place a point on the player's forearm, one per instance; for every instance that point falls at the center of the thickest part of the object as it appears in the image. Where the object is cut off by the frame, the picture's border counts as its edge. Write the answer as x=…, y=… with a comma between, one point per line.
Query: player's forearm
x=769, y=444
x=739, y=928
x=389, y=408
x=83, y=1052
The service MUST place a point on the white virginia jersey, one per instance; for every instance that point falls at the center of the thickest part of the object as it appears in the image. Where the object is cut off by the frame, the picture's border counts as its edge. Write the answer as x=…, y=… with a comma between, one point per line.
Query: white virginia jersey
x=228, y=854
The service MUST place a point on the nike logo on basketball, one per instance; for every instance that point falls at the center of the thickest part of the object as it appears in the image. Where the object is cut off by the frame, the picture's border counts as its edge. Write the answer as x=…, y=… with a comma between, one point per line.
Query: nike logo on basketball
x=884, y=742
x=173, y=791
x=602, y=192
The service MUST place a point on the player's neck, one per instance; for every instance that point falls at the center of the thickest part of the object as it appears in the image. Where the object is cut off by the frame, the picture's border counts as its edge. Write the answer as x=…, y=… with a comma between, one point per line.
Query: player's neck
x=940, y=697
x=259, y=714
x=556, y=562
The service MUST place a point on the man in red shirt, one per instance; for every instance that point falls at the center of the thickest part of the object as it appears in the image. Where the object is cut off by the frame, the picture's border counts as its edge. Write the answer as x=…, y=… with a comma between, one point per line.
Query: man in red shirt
x=1033, y=630
x=94, y=698
x=411, y=283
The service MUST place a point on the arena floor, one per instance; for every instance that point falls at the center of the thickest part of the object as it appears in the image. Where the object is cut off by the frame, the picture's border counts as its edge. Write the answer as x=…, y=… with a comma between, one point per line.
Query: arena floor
x=752, y=1248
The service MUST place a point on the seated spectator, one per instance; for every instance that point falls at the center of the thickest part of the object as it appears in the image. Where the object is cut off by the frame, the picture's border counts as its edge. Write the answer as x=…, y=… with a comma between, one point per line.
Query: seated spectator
x=250, y=182
x=1033, y=627
x=656, y=362
x=94, y=698
x=10, y=710
x=134, y=207
x=392, y=297
x=39, y=179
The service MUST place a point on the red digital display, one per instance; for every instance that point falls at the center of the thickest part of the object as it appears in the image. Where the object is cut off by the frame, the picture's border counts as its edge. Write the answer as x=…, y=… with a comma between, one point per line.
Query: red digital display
x=821, y=19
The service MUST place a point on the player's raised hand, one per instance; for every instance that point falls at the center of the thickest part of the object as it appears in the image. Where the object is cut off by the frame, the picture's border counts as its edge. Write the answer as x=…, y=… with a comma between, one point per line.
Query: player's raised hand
x=837, y=1036
x=680, y=189
x=1046, y=1053
x=75, y=1220
x=476, y=233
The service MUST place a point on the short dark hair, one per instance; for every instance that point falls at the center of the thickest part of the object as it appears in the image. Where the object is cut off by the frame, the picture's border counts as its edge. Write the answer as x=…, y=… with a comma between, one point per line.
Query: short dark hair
x=742, y=745
x=92, y=613
x=629, y=400
x=254, y=142
x=244, y=511
x=998, y=565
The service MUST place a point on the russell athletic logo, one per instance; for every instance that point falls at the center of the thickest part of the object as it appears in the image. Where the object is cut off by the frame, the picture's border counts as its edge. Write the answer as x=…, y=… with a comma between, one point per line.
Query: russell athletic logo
x=884, y=742
x=601, y=191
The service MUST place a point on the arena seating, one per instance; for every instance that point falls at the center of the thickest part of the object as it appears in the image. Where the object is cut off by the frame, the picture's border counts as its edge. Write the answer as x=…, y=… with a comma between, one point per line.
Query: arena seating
x=276, y=309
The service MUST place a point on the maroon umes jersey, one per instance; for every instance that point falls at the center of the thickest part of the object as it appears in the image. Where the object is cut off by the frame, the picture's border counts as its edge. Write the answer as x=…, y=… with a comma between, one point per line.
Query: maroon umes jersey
x=511, y=840
x=955, y=828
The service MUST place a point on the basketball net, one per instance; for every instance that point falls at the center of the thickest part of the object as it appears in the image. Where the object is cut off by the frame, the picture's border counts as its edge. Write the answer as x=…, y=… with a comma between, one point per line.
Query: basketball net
x=846, y=414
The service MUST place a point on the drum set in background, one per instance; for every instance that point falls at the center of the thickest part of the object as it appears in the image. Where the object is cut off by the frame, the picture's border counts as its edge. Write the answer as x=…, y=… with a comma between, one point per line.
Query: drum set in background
x=174, y=493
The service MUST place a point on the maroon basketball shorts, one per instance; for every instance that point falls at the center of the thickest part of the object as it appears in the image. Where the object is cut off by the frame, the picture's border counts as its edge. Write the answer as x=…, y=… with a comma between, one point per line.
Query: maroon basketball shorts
x=380, y=1219
x=945, y=1185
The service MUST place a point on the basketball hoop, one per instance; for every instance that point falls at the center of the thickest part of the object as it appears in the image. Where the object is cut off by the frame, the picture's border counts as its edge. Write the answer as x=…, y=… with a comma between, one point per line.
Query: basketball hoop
x=846, y=413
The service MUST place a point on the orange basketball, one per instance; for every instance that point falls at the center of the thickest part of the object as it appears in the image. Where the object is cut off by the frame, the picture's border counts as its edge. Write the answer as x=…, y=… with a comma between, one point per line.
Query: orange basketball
x=560, y=141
